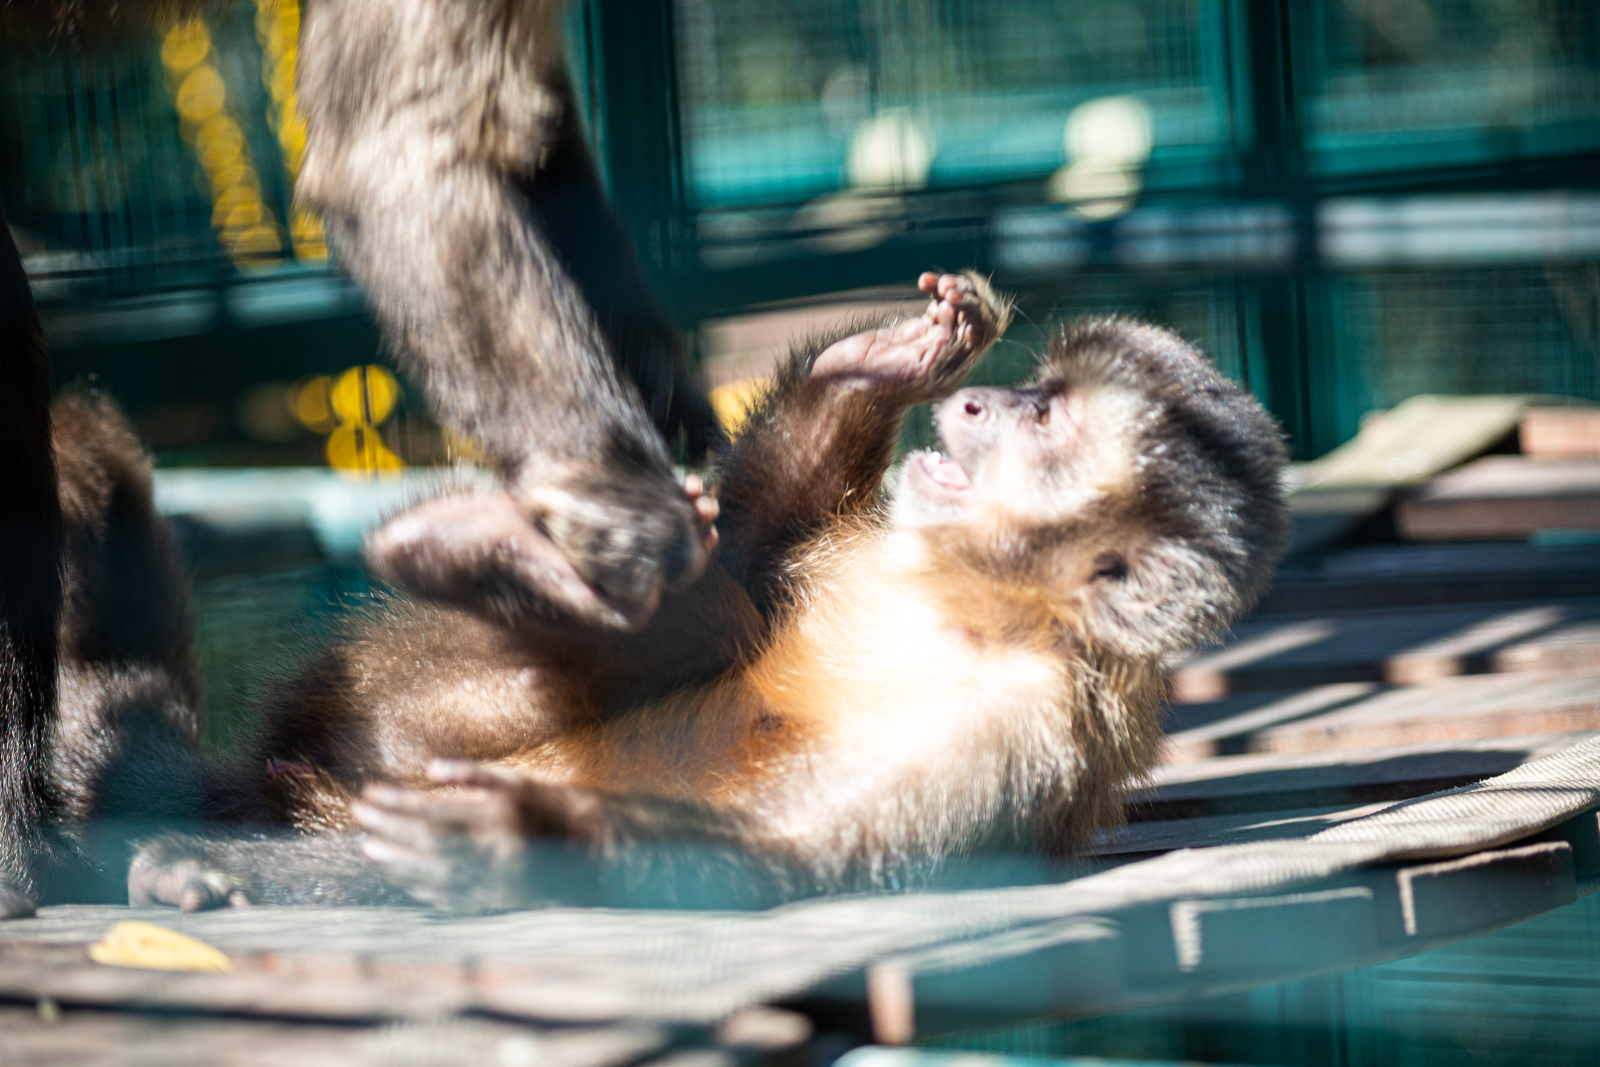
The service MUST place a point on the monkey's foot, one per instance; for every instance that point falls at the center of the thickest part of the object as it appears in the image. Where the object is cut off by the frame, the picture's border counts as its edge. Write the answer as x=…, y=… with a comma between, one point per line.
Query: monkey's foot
x=164, y=872
x=599, y=554
x=507, y=841
x=929, y=354
x=14, y=904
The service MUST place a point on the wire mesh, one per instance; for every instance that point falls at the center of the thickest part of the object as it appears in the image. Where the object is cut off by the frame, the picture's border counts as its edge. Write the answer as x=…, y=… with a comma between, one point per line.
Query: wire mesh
x=1513, y=330
x=777, y=97
x=1386, y=71
x=154, y=163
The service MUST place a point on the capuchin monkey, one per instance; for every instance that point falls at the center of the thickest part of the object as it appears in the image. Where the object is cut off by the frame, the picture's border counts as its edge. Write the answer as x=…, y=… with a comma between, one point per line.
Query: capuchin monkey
x=445, y=152
x=863, y=687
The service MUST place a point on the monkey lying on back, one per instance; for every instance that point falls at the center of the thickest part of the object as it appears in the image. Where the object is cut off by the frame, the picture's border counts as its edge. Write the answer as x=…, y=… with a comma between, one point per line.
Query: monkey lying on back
x=860, y=689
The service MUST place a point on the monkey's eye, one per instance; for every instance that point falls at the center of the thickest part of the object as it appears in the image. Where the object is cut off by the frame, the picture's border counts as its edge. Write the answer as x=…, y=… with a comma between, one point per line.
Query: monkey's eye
x=1042, y=410
x=1111, y=566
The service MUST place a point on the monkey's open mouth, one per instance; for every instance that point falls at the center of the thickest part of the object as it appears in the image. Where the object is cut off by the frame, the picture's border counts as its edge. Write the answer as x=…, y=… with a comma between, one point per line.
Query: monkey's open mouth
x=944, y=470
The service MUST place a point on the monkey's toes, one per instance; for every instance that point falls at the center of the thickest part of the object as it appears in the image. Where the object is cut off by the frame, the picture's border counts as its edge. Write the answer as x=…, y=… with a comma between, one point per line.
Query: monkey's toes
x=631, y=541
x=183, y=883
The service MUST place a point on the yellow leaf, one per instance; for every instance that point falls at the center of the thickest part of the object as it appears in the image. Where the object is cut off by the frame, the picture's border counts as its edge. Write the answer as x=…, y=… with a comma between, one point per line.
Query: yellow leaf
x=131, y=943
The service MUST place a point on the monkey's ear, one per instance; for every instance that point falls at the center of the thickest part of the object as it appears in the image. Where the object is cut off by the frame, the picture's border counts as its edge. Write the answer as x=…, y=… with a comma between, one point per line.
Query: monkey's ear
x=1155, y=597
x=480, y=552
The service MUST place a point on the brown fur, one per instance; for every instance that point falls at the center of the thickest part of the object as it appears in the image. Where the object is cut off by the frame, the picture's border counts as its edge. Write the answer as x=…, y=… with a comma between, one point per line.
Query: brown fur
x=867, y=690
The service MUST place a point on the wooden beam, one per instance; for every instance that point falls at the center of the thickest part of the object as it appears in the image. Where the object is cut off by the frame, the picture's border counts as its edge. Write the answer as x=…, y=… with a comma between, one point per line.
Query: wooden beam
x=1552, y=433
x=1418, y=575
x=1504, y=497
x=1400, y=647
x=1266, y=782
x=1456, y=709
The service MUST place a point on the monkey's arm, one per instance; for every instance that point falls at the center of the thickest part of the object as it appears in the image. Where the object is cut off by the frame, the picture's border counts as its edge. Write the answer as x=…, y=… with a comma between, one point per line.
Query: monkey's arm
x=817, y=447
x=514, y=841
x=261, y=865
x=461, y=194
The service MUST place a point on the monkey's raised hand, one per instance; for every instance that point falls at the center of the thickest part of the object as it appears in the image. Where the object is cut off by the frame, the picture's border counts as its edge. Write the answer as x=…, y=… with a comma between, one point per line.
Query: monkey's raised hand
x=928, y=355
x=492, y=554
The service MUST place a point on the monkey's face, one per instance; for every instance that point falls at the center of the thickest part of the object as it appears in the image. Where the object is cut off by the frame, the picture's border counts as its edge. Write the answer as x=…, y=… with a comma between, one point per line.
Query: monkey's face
x=1128, y=478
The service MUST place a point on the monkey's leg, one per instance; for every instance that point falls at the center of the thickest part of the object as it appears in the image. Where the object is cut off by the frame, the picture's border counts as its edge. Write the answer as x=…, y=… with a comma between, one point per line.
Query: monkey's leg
x=481, y=552
x=30, y=585
x=819, y=445
x=515, y=841
x=430, y=127
x=267, y=866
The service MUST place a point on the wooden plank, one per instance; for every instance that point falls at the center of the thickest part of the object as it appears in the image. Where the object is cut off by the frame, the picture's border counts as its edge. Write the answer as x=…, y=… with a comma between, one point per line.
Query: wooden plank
x=1455, y=709
x=1415, y=440
x=1224, y=727
x=1396, y=449
x=1503, y=497
x=1202, y=946
x=1465, y=895
x=1550, y=433
x=1282, y=933
x=1140, y=839
x=1413, y=575
x=1033, y=971
x=29, y=1035
x=1399, y=646
x=1267, y=782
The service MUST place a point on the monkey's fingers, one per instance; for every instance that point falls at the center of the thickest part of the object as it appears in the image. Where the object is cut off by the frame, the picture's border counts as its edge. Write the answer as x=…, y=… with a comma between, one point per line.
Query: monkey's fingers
x=467, y=772
x=426, y=876
x=411, y=831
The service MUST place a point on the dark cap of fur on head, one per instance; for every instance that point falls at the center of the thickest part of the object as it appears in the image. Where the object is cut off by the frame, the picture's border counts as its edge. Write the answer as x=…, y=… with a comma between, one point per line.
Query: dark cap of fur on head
x=1209, y=458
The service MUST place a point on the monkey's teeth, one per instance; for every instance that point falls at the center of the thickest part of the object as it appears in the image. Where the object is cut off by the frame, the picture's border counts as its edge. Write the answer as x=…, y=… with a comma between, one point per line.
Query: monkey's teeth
x=944, y=470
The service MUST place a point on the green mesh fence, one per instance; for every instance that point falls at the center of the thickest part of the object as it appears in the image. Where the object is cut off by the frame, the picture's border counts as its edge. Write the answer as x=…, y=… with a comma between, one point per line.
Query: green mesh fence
x=783, y=101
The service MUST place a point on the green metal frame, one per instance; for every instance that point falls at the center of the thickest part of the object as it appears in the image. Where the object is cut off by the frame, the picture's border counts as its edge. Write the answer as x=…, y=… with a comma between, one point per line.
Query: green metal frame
x=1287, y=319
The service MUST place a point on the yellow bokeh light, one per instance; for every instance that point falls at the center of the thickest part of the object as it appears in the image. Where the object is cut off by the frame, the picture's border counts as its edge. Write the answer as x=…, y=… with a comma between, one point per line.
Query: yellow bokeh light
x=359, y=449
x=365, y=395
x=245, y=226
x=201, y=95
x=243, y=216
x=278, y=30
x=234, y=195
x=310, y=404
x=218, y=127
x=237, y=174
x=734, y=401
x=185, y=46
x=222, y=150
x=310, y=243
x=257, y=241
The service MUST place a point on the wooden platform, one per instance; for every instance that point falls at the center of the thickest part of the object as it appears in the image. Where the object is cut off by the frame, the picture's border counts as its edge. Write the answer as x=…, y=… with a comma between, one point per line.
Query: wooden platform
x=1374, y=678
x=1504, y=497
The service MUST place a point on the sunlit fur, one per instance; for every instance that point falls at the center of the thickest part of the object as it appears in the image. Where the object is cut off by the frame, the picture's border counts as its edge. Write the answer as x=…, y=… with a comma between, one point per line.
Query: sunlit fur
x=937, y=675
x=941, y=688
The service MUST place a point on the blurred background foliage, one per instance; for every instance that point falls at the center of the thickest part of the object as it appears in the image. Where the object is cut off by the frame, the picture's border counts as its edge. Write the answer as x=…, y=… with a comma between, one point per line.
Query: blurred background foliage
x=1343, y=201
